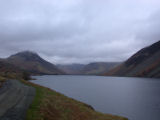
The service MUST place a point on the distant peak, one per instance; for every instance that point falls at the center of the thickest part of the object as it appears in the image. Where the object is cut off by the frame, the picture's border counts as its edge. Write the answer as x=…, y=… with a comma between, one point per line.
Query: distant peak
x=25, y=53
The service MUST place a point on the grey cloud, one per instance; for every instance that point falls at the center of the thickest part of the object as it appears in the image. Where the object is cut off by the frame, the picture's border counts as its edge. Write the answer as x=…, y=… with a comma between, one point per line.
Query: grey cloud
x=150, y=28
x=78, y=31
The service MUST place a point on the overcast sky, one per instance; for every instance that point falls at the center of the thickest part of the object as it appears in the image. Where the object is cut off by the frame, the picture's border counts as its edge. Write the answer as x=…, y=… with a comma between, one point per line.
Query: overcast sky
x=78, y=31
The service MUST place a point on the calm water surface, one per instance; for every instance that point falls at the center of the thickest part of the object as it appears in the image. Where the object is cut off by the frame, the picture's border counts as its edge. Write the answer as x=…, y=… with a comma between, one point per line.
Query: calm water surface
x=134, y=98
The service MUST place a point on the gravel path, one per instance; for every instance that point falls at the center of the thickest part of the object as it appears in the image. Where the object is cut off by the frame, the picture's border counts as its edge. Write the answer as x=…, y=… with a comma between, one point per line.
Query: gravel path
x=15, y=99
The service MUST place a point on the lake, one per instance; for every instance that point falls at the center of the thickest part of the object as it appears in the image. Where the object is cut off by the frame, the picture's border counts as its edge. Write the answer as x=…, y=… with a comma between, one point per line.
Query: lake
x=134, y=98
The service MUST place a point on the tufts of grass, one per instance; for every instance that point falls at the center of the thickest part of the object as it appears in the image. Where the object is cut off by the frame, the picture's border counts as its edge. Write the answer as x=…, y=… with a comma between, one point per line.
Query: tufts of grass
x=2, y=79
x=51, y=105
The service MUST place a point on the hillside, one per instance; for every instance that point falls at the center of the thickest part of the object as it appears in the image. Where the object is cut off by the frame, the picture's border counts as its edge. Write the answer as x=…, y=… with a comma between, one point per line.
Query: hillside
x=94, y=68
x=98, y=67
x=7, y=67
x=11, y=71
x=145, y=63
x=33, y=63
x=71, y=68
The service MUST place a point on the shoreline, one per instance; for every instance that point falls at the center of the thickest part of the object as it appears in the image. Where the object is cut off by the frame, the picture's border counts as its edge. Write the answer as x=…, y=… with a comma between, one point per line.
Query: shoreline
x=44, y=103
x=49, y=103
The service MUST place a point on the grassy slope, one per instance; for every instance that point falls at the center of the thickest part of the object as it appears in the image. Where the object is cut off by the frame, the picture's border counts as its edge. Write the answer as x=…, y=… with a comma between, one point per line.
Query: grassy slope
x=2, y=79
x=51, y=105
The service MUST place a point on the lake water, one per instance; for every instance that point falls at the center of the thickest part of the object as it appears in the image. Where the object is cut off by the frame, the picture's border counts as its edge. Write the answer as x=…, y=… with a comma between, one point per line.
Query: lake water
x=134, y=98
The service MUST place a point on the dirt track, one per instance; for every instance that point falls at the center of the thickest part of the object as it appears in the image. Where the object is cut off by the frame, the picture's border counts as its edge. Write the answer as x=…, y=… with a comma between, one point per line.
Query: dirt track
x=15, y=99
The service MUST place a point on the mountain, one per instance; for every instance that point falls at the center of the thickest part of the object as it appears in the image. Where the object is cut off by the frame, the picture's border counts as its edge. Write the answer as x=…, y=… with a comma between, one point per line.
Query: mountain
x=6, y=67
x=71, y=68
x=9, y=71
x=145, y=63
x=97, y=68
x=33, y=63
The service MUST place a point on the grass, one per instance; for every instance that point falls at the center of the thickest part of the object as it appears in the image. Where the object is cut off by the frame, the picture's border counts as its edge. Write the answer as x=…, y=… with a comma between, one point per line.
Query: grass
x=51, y=105
x=2, y=79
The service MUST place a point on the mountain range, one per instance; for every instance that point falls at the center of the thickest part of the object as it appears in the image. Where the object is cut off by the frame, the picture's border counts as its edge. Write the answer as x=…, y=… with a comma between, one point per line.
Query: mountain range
x=71, y=68
x=98, y=68
x=95, y=68
x=144, y=63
